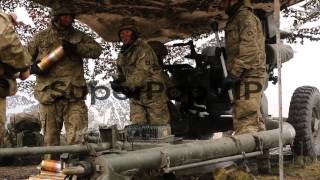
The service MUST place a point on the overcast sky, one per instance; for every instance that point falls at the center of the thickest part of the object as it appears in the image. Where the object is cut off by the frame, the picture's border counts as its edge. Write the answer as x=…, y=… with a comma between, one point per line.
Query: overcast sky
x=303, y=69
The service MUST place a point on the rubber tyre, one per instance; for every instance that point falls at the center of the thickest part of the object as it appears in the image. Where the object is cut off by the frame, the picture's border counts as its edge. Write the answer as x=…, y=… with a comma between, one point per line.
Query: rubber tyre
x=304, y=115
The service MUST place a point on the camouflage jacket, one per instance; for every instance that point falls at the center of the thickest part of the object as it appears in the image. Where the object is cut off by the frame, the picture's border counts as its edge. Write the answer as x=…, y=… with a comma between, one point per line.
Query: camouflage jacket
x=245, y=44
x=139, y=66
x=13, y=56
x=66, y=78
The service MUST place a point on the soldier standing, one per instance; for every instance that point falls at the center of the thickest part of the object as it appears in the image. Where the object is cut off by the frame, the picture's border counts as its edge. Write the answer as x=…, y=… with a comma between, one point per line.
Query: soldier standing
x=140, y=78
x=161, y=52
x=246, y=65
x=61, y=89
x=14, y=62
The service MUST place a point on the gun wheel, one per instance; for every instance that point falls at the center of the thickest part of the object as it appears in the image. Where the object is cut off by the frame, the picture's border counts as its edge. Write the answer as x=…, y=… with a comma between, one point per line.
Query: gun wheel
x=304, y=115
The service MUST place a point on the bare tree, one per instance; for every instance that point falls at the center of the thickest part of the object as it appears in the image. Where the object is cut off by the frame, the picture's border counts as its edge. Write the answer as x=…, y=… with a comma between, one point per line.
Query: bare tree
x=306, y=12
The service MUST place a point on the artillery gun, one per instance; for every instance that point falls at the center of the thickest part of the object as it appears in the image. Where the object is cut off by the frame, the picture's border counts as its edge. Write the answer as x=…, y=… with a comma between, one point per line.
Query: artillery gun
x=114, y=157
x=202, y=105
x=167, y=151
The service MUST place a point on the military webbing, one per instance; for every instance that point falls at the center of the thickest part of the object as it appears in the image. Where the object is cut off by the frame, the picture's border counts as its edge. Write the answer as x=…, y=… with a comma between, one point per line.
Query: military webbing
x=244, y=163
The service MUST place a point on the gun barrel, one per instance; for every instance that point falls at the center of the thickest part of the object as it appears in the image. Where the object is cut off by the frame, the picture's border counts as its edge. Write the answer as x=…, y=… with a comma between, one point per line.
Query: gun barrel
x=182, y=154
x=5, y=152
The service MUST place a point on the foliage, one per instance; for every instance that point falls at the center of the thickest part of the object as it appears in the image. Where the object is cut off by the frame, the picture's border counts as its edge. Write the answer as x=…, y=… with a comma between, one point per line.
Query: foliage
x=305, y=13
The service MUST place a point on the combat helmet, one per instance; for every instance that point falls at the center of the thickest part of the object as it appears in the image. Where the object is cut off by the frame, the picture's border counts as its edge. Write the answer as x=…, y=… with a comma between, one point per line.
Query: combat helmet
x=129, y=23
x=61, y=10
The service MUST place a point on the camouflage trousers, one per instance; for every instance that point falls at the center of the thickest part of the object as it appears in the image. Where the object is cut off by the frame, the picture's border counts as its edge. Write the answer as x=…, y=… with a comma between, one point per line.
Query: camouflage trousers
x=246, y=109
x=154, y=113
x=2, y=120
x=74, y=116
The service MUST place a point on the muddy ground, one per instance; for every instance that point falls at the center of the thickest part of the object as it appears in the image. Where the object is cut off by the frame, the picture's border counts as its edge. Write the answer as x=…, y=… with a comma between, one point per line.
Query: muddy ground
x=295, y=168
x=293, y=171
x=17, y=172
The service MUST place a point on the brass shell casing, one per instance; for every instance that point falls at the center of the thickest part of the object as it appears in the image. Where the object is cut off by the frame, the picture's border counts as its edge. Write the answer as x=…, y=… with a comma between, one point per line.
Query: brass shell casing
x=51, y=59
x=49, y=169
x=51, y=165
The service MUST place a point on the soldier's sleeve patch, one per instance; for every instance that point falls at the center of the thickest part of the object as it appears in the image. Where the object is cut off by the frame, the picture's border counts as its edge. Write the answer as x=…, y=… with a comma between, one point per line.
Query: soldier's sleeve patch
x=249, y=33
x=248, y=30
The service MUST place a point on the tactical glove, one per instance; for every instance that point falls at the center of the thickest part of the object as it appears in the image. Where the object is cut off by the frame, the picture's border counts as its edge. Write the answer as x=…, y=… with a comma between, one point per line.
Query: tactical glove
x=4, y=86
x=131, y=93
x=119, y=87
x=218, y=52
x=68, y=47
x=230, y=82
x=119, y=80
x=116, y=83
x=34, y=69
x=116, y=86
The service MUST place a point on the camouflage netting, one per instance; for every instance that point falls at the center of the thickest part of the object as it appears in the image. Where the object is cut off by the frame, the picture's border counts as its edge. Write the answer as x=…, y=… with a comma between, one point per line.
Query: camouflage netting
x=162, y=20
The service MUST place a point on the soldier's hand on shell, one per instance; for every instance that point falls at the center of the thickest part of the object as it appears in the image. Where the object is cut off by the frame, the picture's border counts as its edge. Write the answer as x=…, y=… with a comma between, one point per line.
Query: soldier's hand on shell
x=68, y=47
x=34, y=69
x=24, y=75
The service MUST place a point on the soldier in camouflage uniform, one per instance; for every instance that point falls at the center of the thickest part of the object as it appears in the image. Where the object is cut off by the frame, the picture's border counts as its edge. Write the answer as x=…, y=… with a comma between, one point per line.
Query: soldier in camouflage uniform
x=14, y=62
x=172, y=91
x=246, y=65
x=61, y=89
x=140, y=78
x=161, y=52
